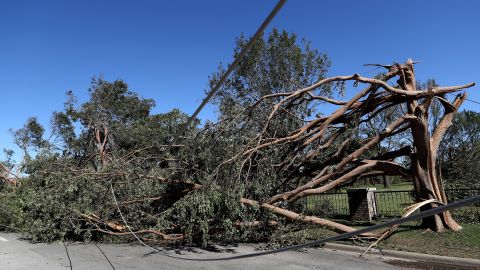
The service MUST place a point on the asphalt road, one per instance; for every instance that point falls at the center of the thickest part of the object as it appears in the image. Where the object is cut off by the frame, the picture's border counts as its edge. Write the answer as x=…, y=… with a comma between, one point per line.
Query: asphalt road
x=18, y=254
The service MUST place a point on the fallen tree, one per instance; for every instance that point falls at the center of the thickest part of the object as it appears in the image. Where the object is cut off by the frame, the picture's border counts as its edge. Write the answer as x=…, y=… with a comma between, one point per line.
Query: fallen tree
x=236, y=180
x=322, y=134
x=350, y=157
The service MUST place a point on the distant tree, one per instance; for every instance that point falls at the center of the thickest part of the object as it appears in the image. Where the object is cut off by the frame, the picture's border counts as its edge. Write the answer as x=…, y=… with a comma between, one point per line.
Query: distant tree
x=111, y=108
x=460, y=152
x=30, y=136
x=279, y=63
x=377, y=122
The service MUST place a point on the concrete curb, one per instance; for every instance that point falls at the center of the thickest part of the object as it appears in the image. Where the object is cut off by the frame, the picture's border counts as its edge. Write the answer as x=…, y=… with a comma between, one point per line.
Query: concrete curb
x=413, y=256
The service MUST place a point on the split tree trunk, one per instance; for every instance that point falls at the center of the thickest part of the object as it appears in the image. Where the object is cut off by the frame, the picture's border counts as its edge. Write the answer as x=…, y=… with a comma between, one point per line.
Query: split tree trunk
x=424, y=157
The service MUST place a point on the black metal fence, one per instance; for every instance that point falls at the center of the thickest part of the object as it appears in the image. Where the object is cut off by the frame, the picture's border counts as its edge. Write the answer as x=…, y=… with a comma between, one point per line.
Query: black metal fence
x=328, y=204
x=392, y=203
x=389, y=203
x=468, y=214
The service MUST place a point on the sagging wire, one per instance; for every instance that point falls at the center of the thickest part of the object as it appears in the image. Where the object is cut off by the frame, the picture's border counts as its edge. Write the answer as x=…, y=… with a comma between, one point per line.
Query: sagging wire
x=68, y=255
x=104, y=255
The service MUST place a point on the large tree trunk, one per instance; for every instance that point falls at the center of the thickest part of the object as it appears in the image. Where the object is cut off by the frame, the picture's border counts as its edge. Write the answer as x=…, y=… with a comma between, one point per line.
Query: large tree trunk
x=386, y=181
x=423, y=157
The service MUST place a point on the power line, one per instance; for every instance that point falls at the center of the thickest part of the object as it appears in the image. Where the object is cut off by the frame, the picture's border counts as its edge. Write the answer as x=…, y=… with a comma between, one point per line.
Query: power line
x=126, y=223
x=231, y=67
x=104, y=255
x=237, y=60
x=473, y=101
x=467, y=99
x=68, y=255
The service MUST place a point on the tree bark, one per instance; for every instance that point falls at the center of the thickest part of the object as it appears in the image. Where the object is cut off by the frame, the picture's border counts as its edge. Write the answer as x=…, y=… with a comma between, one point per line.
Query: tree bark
x=423, y=157
x=386, y=181
x=307, y=219
x=322, y=152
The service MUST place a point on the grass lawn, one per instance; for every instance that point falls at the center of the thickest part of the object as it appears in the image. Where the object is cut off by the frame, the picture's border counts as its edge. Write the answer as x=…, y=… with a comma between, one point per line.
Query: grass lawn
x=465, y=243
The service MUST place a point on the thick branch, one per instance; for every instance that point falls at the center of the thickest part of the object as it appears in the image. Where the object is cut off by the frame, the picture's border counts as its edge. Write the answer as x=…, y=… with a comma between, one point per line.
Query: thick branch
x=307, y=219
x=446, y=121
x=317, y=180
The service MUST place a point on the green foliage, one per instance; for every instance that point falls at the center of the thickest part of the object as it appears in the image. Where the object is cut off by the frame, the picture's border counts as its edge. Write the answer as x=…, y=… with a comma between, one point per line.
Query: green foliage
x=110, y=103
x=323, y=208
x=278, y=64
x=459, y=152
x=8, y=160
x=212, y=215
x=66, y=177
x=50, y=195
x=467, y=215
x=30, y=135
x=65, y=183
x=9, y=210
x=174, y=187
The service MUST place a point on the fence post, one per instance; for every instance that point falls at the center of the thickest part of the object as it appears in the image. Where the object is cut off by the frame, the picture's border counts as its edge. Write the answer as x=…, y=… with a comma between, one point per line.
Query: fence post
x=362, y=205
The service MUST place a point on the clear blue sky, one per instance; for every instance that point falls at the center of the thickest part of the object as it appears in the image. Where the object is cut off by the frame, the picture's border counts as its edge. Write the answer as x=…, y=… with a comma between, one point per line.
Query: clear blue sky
x=166, y=50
